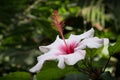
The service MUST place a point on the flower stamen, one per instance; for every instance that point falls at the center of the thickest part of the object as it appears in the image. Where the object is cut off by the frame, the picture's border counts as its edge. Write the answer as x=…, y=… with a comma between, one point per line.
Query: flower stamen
x=59, y=27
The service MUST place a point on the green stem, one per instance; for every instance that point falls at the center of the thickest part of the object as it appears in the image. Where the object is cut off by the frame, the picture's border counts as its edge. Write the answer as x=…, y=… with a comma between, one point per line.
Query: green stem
x=80, y=69
x=33, y=76
x=106, y=64
x=91, y=63
x=86, y=63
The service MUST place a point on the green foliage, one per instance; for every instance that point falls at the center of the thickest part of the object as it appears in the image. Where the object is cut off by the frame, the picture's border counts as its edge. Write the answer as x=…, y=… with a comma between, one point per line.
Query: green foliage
x=106, y=76
x=79, y=76
x=8, y=9
x=17, y=76
x=115, y=48
x=52, y=72
x=95, y=14
x=92, y=52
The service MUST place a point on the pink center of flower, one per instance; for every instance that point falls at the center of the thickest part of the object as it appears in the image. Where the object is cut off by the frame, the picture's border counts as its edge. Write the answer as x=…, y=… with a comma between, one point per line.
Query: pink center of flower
x=69, y=49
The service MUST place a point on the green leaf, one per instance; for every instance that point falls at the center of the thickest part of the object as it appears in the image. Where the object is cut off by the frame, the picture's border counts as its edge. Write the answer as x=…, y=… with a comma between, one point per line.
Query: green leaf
x=79, y=76
x=93, y=52
x=106, y=76
x=16, y=76
x=115, y=48
x=50, y=71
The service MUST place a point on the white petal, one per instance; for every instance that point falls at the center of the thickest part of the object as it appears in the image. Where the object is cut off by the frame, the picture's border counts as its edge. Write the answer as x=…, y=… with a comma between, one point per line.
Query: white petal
x=106, y=42
x=61, y=62
x=81, y=45
x=72, y=59
x=88, y=34
x=105, y=48
x=53, y=45
x=51, y=55
x=77, y=38
x=37, y=67
x=94, y=42
x=44, y=49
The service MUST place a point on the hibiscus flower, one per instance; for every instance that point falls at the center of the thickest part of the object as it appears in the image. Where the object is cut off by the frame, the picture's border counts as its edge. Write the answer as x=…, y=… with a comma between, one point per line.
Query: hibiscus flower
x=68, y=51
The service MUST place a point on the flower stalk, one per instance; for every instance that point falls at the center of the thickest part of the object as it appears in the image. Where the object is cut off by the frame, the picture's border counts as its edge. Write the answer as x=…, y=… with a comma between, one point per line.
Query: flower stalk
x=107, y=63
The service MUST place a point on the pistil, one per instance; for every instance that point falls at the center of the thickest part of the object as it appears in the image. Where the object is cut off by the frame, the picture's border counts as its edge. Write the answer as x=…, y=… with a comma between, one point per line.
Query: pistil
x=59, y=27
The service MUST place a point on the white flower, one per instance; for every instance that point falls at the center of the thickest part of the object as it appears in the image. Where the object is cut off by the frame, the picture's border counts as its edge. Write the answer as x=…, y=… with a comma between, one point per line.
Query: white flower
x=68, y=54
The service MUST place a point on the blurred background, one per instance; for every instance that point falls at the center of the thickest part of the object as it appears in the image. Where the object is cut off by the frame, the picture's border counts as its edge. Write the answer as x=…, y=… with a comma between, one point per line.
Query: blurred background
x=26, y=24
